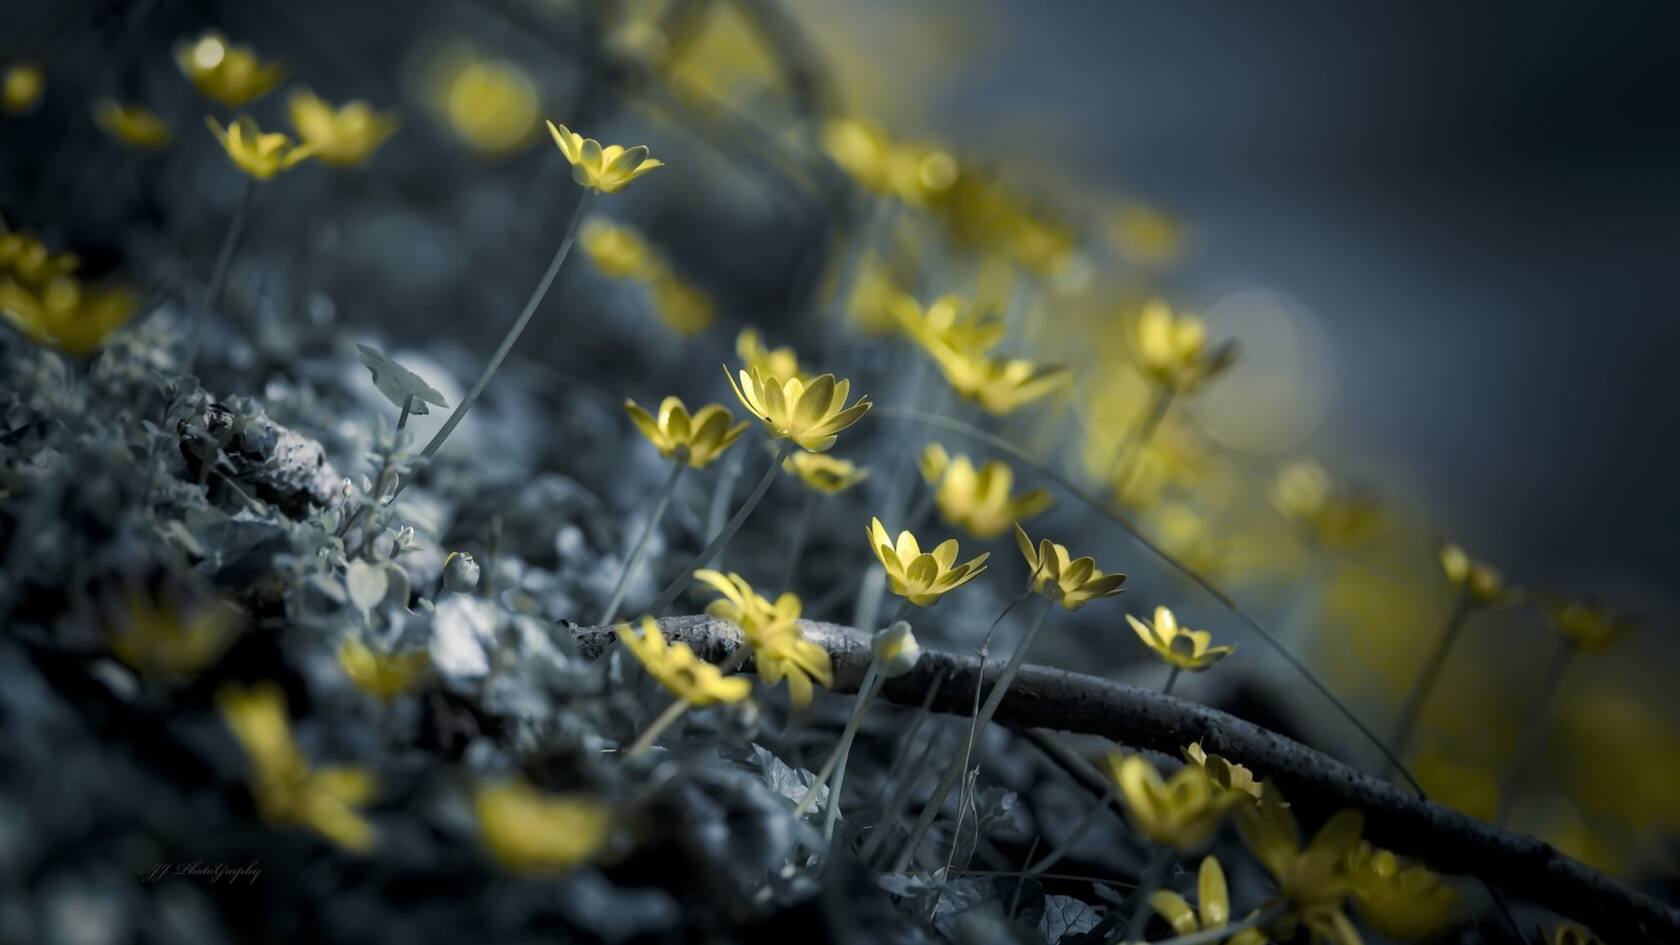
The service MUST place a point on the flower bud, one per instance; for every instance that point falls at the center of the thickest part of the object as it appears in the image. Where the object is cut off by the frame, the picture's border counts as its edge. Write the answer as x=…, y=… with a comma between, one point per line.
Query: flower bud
x=460, y=572
x=896, y=650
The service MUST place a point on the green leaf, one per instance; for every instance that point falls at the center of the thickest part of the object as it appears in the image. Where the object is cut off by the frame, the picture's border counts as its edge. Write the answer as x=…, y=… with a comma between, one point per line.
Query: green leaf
x=400, y=385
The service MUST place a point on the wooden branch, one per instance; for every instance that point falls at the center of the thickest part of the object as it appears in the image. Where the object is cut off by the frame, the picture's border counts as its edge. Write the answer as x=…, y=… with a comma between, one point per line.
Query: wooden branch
x=1047, y=698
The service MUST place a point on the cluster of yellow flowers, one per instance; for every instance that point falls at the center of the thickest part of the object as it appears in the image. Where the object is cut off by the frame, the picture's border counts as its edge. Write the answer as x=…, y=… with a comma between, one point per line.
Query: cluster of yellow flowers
x=41, y=296
x=978, y=501
x=961, y=343
x=619, y=252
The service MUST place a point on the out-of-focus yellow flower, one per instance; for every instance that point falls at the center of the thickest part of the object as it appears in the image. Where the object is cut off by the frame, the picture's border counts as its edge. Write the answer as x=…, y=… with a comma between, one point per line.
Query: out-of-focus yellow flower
x=1173, y=350
x=1145, y=236
x=744, y=607
x=1404, y=901
x=687, y=676
x=1213, y=910
x=1182, y=812
x=1478, y=579
x=1467, y=788
x=229, y=74
x=286, y=788
x=810, y=414
x=696, y=440
x=1586, y=624
x=949, y=321
x=619, y=251
x=978, y=501
x=161, y=640
x=684, y=308
x=134, y=125
x=22, y=87
x=491, y=104
x=779, y=363
x=1336, y=518
x=917, y=576
x=1224, y=772
x=824, y=473
x=27, y=260
x=1178, y=646
x=783, y=652
x=1568, y=933
x=528, y=831
x=344, y=136
x=913, y=173
x=65, y=313
x=605, y=170
x=383, y=676
x=1000, y=385
x=1314, y=880
x=261, y=155
x=1623, y=751
x=1071, y=582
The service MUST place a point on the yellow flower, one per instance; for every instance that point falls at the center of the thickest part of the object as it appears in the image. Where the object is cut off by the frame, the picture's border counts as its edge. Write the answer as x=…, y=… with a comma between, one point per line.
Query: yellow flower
x=1224, y=772
x=684, y=308
x=1173, y=349
x=917, y=576
x=619, y=252
x=260, y=155
x=344, y=136
x=1213, y=907
x=1178, y=646
x=824, y=473
x=490, y=104
x=1466, y=787
x=231, y=75
x=1182, y=812
x=746, y=608
x=978, y=501
x=27, y=259
x=287, y=790
x=1587, y=624
x=1480, y=580
x=605, y=170
x=1145, y=235
x=912, y=173
x=688, y=677
x=383, y=676
x=22, y=87
x=779, y=363
x=528, y=831
x=165, y=641
x=949, y=321
x=809, y=414
x=1072, y=582
x=133, y=125
x=1337, y=518
x=1568, y=933
x=1314, y=880
x=1000, y=385
x=782, y=651
x=65, y=314
x=1402, y=901
x=696, y=440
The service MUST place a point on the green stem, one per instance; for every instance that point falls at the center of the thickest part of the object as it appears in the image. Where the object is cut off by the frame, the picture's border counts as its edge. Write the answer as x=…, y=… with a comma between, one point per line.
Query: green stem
x=1150, y=881
x=866, y=692
x=645, y=740
x=402, y=418
x=1534, y=728
x=636, y=551
x=832, y=812
x=796, y=540
x=704, y=558
x=1427, y=676
x=218, y=276
x=1172, y=679
x=1078, y=833
x=718, y=512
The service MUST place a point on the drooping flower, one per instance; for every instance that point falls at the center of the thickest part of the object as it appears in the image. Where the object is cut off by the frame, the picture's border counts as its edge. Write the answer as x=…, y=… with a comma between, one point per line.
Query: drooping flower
x=824, y=473
x=1213, y=907
x=1480, y=580
x=1224, y=772
x=978, y=501
x=687, y=676
x=528, y=831
x=810, y=414
x=166, y=640
x=1399, y=900
x=134, y=125
x=383, y=676
x=65, y=313
x=1181, y=812
x=229, y=74
x=605, y=170
x=1069, y=581
x=1178, y=646
x=780, y=363
x=780, y=649
x=261, y=155
x=917, y=576
x=1587, y=624
x=343, y=136
x=696, y=440
x=949, y=322
x=1172, y=349
x=286, y=787
x=21, y=87
x=744, y=607
x=1315, y=880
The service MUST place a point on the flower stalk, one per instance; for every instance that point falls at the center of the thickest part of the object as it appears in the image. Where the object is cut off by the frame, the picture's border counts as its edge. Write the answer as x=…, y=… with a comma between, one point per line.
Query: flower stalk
x=1535, y=726
x=218, y=274
x=640, y=547
x=646, y=740
x=1427, y=676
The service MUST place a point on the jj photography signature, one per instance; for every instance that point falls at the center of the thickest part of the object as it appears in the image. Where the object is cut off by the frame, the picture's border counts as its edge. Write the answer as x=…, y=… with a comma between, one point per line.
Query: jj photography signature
x=199, y=871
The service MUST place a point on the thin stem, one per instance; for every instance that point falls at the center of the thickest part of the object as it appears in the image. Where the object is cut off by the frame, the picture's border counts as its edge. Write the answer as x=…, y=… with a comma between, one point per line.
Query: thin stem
x=1172, y=679
x=636, y=551
x=866, y=692
x=1151, y=881
x=960, y=764
x=645, y=740
x=1427, y=675
x=1078, y=833
x=1534, y=727
x=218, y=275
x=796, y=540
x=734, y=524
x=1127, y=452
x=718, y=512
x=901, y=755
x=402, y=418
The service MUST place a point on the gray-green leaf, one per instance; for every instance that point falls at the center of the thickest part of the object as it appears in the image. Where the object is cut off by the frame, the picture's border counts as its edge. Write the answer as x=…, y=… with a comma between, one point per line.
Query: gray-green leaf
x=399, y=384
